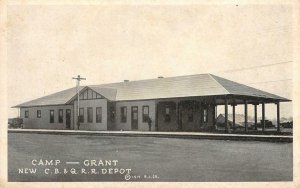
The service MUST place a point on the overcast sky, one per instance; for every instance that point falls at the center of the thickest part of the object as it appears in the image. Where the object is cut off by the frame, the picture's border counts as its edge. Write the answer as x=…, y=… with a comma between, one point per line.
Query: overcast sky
x=48, y=45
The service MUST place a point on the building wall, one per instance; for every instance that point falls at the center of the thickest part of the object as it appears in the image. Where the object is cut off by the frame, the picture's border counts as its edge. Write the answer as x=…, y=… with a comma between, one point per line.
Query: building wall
x=32, y=122
x=115, y=123
x=92, y=103
x=142, y=126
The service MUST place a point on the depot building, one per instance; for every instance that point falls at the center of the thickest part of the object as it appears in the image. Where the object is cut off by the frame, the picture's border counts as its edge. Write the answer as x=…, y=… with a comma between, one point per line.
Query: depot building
x=183, y=103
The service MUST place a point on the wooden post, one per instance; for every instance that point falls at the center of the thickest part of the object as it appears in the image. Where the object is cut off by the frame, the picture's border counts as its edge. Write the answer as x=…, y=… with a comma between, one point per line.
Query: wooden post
x=227, y=128
x=178, y=114
x=246, y=116
x=255, y=116
x=278, y=117
x=214, y=114
x=156, y=115
x=202, y=114
x=233, y=116
x=263, y=117
x=78, y=78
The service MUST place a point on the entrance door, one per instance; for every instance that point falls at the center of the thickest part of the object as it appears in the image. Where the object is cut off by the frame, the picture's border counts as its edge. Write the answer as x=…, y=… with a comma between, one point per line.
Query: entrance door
x=134, y=118
x=68, y=119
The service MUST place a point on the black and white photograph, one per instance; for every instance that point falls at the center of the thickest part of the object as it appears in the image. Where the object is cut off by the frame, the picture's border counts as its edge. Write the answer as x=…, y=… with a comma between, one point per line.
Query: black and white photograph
x=149, y=92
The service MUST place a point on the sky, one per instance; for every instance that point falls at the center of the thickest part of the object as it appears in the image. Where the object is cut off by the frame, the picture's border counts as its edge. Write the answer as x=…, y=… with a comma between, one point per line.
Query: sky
x=49, y=44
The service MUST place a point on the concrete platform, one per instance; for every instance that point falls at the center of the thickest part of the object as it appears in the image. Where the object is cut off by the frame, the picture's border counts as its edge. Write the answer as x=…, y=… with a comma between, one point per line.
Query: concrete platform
x=191, y=135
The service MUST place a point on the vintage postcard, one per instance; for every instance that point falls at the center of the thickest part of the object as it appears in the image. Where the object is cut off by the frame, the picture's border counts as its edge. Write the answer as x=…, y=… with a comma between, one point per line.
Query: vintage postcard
x=148, y=93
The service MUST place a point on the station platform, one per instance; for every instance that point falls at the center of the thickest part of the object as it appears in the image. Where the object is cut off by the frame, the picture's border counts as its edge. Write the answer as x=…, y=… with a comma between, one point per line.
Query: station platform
x=186, y=135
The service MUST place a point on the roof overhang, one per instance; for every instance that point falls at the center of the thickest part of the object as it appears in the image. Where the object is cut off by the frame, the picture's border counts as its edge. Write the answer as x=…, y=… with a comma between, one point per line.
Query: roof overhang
x=20, y=106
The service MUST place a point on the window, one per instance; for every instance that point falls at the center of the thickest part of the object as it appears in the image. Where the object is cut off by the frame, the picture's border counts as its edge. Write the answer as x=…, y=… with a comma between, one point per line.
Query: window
x=123, y=114
x=205, y=115
x=81, y=115
x=190, y=115
x=60, y=116
x=51, y=116
x=98, y=115
x=89, y=94
x=38, y=114
x=167, y=114
x=26, y=114
x=145, y=113
x=90, y=114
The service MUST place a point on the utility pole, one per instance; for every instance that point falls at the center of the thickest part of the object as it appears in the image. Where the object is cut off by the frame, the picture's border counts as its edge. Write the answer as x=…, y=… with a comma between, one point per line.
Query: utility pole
x=78, y=78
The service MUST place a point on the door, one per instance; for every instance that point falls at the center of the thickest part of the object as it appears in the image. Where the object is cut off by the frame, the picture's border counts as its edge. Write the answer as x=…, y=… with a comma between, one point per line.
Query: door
x=68, y=119
x=134, y=118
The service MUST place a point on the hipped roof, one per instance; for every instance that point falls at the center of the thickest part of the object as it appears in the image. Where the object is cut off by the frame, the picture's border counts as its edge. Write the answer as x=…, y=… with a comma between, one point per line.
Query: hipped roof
x=160, y=88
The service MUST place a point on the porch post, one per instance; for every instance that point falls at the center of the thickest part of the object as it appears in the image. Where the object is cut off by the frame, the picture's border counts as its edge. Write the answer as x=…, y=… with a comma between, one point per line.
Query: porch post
x=156, y=115
x=227, y=128
x=178, y=115
x=255, y=116
x=214, y=114
x=202, y=113
x=263, y=117
x=278, y=117
x=246, y=115
x=233, y=116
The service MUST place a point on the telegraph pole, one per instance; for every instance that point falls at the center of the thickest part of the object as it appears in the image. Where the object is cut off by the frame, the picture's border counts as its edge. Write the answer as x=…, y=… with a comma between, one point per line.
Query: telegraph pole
x=78, y=78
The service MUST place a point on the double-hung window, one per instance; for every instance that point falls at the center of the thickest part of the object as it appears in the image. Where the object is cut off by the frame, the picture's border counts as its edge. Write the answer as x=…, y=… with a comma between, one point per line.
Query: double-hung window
x=51, y=116
x=98, y=114
x=205, y=115
x=60, y=116
x=81, y=115
x=167, y=114
x=145, y=113
x=38, y=114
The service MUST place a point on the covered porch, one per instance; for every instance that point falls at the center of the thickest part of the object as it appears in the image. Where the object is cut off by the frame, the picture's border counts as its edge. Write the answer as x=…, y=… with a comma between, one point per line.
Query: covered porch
x=246, y=101
x=200, y=113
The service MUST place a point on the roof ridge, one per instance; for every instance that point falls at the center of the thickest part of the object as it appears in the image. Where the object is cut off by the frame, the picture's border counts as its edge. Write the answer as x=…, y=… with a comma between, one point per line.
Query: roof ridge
x=212, y=76
x=148, y=79
x=253, y=88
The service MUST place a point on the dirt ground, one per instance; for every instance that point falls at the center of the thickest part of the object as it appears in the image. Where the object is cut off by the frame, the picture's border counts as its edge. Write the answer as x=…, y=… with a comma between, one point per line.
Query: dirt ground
x=148, y=158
